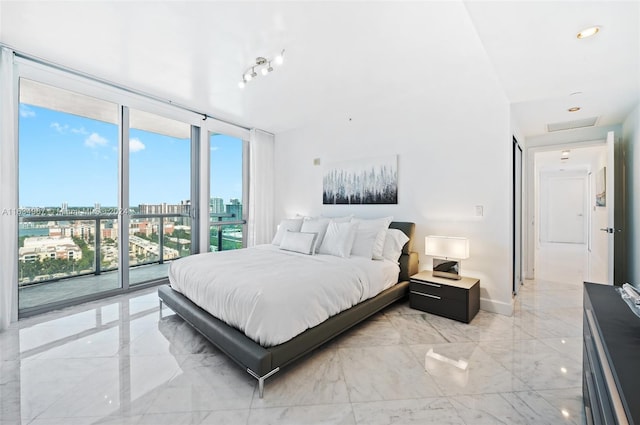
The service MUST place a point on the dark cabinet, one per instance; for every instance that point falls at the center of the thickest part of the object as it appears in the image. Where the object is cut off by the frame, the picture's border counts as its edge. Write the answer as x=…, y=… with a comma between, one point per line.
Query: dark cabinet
x=610, y=358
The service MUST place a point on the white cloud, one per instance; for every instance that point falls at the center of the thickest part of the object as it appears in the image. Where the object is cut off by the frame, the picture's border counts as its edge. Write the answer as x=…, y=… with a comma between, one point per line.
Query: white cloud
x=95, y=140
x=26, y=112
x=62, y=129
x=80, y=130
x=135, y=145
x=214, y=148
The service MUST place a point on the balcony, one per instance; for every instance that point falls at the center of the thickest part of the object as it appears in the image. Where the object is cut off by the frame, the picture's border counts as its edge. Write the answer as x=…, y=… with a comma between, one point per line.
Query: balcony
x=68, y=257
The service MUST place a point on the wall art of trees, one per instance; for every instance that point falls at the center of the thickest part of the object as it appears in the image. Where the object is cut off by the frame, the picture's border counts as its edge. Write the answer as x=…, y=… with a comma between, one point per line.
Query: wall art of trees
x=373, y=181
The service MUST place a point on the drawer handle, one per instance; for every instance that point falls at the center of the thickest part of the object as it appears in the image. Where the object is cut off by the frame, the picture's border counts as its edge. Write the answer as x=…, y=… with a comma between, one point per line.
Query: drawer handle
x=426, y=295
x=422, y=282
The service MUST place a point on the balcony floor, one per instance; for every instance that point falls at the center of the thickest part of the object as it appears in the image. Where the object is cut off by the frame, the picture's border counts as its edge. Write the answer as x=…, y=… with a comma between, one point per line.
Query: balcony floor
x=74, y=287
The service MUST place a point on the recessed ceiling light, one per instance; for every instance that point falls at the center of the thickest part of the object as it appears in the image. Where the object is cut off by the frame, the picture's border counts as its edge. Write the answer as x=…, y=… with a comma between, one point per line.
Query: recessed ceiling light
x=574, y=109
x=588, y=32
x=575, y=93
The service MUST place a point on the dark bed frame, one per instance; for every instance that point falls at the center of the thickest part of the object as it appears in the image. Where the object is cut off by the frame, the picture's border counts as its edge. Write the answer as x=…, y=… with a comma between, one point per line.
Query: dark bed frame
x=262, y=362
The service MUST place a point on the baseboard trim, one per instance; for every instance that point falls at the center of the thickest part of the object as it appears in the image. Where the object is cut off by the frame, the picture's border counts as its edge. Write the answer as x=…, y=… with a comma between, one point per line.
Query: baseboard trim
x=499, y=307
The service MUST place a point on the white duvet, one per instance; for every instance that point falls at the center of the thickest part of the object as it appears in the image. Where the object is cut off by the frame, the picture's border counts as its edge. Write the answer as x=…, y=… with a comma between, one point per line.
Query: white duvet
x=273, y=295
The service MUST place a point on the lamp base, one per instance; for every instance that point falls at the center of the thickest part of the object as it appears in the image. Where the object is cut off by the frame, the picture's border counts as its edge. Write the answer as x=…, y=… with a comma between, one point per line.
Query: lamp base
x=448, y=269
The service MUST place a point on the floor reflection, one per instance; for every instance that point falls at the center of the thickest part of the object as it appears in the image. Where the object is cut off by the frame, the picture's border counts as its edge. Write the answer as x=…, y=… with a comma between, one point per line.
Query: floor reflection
x=440, y=365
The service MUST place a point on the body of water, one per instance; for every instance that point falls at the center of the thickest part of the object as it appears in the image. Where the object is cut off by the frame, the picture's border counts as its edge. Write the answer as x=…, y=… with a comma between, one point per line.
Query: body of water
x=35, y=231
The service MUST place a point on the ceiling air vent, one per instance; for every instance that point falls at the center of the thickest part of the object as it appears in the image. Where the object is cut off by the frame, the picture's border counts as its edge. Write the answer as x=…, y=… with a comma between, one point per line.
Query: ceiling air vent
x=568, y=125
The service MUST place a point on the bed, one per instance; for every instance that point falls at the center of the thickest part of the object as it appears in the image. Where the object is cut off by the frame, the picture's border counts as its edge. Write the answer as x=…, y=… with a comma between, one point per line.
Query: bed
x=262, y=361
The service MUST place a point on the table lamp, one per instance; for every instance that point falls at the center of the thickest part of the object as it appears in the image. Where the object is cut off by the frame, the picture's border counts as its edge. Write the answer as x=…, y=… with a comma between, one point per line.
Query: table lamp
x=446, y=250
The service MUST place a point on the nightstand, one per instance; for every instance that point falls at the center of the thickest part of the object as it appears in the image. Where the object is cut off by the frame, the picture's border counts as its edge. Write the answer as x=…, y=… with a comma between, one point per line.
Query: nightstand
x=455, y=299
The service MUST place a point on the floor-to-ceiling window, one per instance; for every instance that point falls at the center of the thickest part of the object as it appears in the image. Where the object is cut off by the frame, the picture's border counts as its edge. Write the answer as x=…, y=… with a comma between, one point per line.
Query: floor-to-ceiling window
x=159, y=194
x=226, y=189
x=112, y=187
x=68, y=194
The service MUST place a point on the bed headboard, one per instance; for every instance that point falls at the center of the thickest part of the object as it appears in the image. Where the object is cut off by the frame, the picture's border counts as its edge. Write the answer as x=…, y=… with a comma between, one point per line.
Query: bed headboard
x=409, y=258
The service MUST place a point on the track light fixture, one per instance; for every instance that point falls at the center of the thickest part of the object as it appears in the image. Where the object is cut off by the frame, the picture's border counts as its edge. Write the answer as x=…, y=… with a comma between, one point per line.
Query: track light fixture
x=263, y=65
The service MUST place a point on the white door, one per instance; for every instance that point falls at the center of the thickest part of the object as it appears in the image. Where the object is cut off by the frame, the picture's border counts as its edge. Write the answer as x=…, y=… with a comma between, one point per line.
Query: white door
x=602, y=210
x=564, y=212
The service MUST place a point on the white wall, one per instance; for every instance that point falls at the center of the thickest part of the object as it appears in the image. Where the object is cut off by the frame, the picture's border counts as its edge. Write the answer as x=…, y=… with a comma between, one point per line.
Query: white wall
x=631, y=143
x=448, y=162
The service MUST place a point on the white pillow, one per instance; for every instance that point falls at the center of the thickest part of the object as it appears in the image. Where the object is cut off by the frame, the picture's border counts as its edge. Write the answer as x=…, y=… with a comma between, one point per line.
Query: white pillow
x=316, y=225
x=292, y=224
x=393, y=244
x=345, y=219
x=370, y=237
x=304, y=243
x=339, y=239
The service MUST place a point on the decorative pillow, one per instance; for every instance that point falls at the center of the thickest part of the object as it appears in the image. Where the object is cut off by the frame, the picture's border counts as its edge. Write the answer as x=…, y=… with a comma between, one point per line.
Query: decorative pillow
x=393, y=244
x=292, y=224
x=339, y=239
x=316, y=225
x=301, y=242
x=370, y=237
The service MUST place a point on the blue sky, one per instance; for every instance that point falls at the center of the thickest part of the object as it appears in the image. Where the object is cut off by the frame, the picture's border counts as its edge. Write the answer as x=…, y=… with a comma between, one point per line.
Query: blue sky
x=67, y=158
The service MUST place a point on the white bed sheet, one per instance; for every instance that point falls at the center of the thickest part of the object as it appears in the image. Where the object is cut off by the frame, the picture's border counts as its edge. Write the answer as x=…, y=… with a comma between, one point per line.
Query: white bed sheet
x=273, y=295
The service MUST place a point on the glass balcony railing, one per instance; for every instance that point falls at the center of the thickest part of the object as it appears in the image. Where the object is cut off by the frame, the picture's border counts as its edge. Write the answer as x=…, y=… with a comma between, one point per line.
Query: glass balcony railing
x=55, y=247
x=226, y=232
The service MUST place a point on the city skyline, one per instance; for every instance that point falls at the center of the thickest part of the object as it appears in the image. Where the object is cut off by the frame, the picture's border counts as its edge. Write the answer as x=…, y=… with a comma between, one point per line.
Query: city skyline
x=80, y=156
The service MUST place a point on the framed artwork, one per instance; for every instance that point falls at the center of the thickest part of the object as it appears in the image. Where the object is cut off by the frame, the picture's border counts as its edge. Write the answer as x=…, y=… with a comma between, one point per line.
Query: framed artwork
x=601, y=187
x=364, y=181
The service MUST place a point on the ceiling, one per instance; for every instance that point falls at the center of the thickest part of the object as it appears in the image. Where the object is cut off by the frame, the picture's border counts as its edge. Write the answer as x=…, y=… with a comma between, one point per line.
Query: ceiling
x=343, y=59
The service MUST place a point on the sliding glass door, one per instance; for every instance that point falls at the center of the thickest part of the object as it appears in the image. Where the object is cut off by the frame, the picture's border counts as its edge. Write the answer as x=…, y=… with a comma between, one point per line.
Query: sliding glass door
x=68, y=195
x=159, y=194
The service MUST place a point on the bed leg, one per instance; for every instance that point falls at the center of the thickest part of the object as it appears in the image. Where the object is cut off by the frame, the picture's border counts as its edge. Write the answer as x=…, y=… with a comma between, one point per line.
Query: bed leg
x=160, y=299
x=261, y=379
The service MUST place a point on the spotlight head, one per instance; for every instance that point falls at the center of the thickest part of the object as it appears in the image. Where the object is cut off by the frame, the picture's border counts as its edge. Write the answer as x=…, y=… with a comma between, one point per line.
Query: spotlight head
x=241, y=84
x=279, y=59
x=247, y=77
x=264, y=71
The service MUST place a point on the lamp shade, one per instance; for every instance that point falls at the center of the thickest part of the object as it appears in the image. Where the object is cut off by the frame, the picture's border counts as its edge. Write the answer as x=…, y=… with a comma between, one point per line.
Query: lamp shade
x=446, y=246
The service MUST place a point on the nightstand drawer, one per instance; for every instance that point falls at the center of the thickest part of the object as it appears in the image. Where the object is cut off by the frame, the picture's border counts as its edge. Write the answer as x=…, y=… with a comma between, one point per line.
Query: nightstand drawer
x=442, y=291
x=455, y=299
x=453, y=309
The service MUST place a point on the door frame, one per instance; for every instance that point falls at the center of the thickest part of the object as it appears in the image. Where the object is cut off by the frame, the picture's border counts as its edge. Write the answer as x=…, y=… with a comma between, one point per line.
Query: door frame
x=517, y=210
x=531, y=205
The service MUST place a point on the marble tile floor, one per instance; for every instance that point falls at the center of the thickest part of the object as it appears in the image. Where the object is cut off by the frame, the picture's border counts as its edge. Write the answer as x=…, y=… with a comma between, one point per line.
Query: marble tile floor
x=115, y=361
